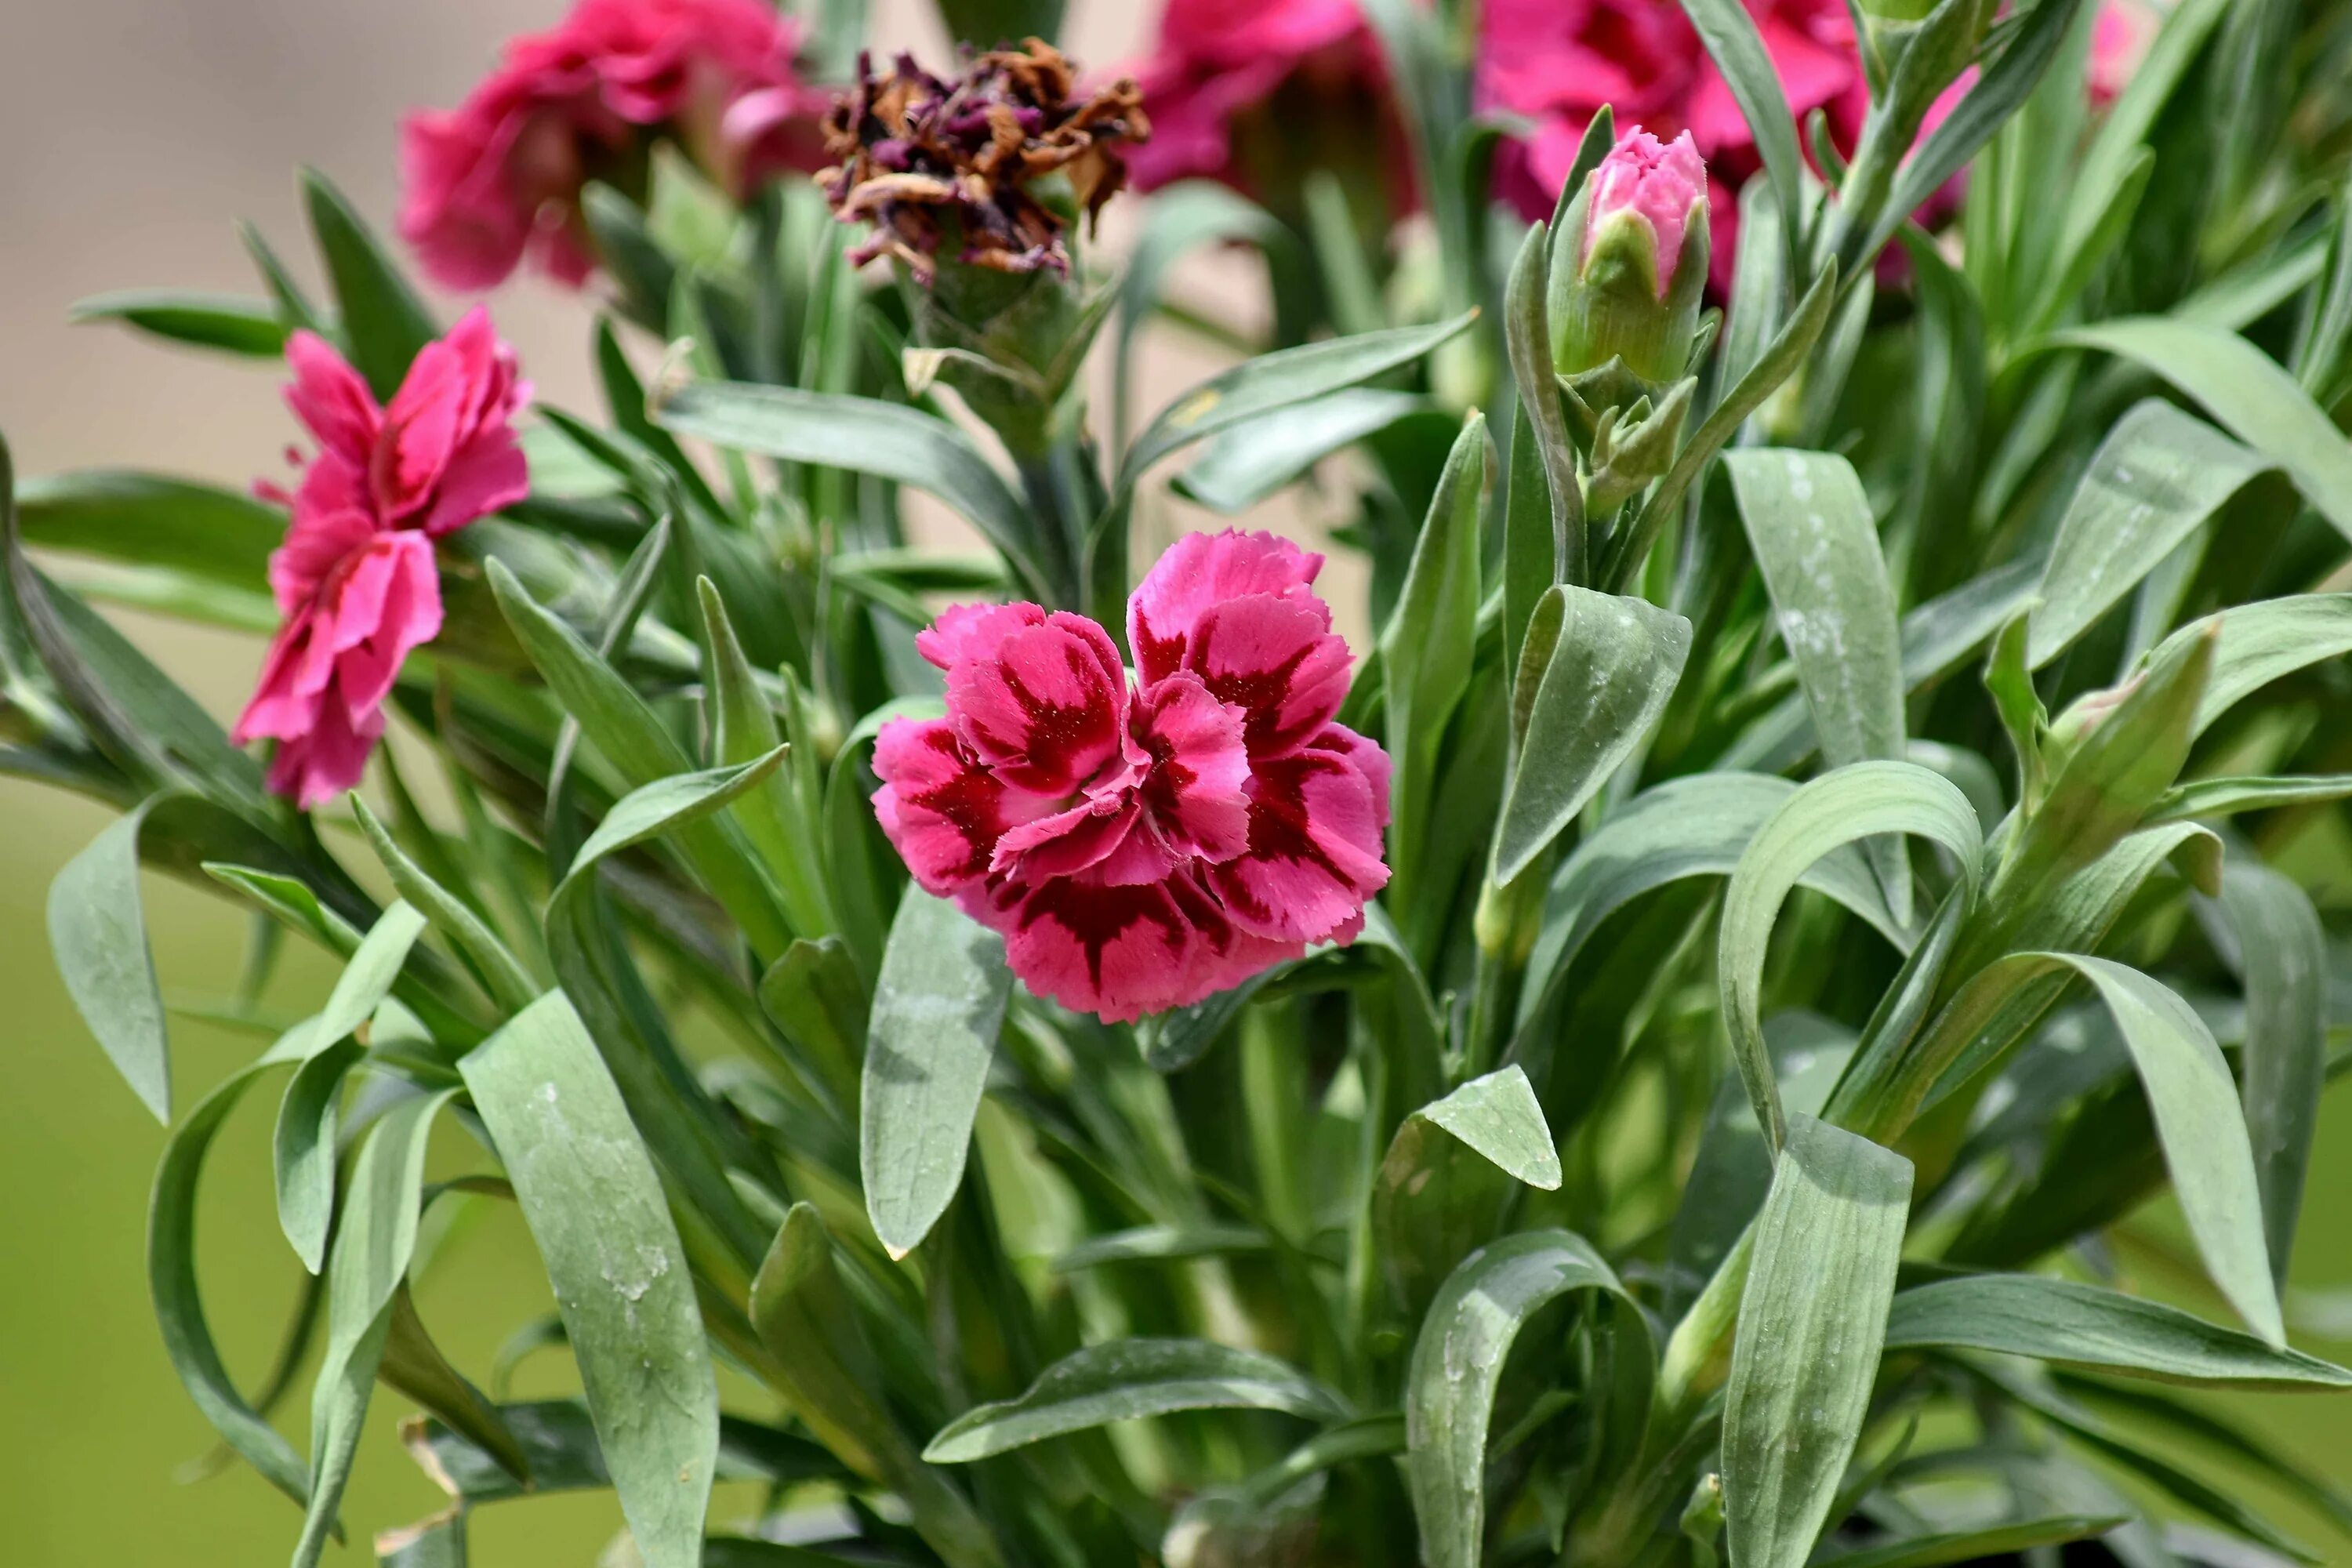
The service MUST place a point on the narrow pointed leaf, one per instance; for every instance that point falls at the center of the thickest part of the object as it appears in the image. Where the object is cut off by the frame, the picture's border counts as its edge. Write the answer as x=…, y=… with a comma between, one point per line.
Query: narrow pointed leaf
x=1127, y=1380
x=1810, y=528
x=597, y=1211
x=1457, y=1367
x=1811, y=1324
x=1250, y=462
x=2157, y=478
x=1611, y=669
x=383, y=322
x=374, y=1242
x=98, y=933
x=1838, y=809
x=2073, y=1324
x=2282, y=958
x=2250, y=393
x=936, y=1009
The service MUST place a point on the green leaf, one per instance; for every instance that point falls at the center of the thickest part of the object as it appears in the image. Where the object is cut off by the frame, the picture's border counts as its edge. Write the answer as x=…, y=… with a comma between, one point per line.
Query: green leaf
x=2253, y=397
x=557, y=1440
x=1127, y=1380
x=1699, y=825
x=936, y=1009
x=2282, y=958
x=98, y=933
x=774, y=818
x=1993, y=1542
x=817, y=996
x=1810, y=528
x=1497, y=1116
x=241, y=326
x=2157, y=478
x=863, y=434
x=1162, y=1243
x=2201, y=798
x=1427, y=646
x=1789, y=350
x=154, y=520
x=414, y=1366
x=596, y=1209
x=1252, y=461
x=510, y=985
x=809, y=1323
x=613, y=716
x=374, y=1238
x=1544, y=532
x=1728, y=32
x=1733, y=1169
x=1840, y=807
x=303, y=1142
x=368, y=978
x=1443, y=1184
x=1611, y=669
x=2078, y=1325
x=171, y=1279
x=1458, y=1366
x=383, y=322
x=2008, y=78
x=2033, y=1392
x=302, y=1145
x=2260, y=642
x=1806, y=1353
x=1258, y=387
x=2195, y=1104
x=2110, y=777
x=436, y=1542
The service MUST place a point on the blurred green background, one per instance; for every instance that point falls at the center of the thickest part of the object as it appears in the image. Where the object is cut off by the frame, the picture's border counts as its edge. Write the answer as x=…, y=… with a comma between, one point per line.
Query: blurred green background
x=156, y=123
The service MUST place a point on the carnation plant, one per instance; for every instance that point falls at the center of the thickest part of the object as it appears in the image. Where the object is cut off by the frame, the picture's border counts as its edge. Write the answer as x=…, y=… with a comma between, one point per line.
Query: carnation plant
x=1045, y=1054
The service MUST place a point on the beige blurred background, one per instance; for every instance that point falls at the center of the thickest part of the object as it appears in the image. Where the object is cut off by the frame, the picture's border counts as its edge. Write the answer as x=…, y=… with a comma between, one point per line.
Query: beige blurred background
x=135, y=132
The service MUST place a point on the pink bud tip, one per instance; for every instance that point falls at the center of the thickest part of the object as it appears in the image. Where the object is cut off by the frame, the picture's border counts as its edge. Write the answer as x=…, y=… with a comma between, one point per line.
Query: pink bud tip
x=1659, y=181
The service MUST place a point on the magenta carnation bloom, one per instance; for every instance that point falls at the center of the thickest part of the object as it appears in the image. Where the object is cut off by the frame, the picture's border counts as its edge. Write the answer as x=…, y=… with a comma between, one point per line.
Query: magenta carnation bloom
x=1144, y=842
x=355, y=577
x=1218, y=64
x=499, y=176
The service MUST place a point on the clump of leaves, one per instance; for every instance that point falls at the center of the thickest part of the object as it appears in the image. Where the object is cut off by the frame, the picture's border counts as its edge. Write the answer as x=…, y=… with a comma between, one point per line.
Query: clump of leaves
x=1730, y=1134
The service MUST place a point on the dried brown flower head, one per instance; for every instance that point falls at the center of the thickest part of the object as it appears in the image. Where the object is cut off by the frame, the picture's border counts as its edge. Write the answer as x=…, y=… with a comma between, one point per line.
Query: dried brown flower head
x=944, y=166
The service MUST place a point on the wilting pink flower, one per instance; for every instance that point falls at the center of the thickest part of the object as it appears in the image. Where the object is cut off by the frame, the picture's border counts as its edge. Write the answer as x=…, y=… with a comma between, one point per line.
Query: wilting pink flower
x=355, y=578
x=1217, y=65
x=500, y=175
x=1145, y=841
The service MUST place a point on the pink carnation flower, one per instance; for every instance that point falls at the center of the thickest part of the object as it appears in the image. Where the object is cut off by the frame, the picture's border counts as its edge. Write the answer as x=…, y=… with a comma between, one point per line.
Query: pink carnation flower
x=1144, y=843
x=500, y=175
x=1215, y=63
x=355, y=578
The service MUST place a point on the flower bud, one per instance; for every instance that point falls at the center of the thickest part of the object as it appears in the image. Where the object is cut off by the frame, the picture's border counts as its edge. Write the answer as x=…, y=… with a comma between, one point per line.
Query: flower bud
x=1630, y=263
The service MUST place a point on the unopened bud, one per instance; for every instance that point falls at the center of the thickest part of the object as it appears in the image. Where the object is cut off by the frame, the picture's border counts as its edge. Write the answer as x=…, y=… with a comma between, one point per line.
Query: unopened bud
x=1631, y=261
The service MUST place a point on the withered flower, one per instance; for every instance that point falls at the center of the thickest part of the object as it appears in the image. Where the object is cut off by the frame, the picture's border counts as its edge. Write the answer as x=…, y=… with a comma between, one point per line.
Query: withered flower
x=947, y=167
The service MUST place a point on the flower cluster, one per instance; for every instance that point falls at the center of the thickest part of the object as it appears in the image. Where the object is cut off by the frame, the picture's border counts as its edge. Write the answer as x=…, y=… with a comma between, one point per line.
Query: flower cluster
x=355, y=578
x=1142, y=845
x=947, y=168
x=500, y=175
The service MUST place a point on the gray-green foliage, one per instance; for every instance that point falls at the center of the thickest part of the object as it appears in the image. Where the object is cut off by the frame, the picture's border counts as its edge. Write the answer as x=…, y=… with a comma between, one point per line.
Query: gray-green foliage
x=1856, y=826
